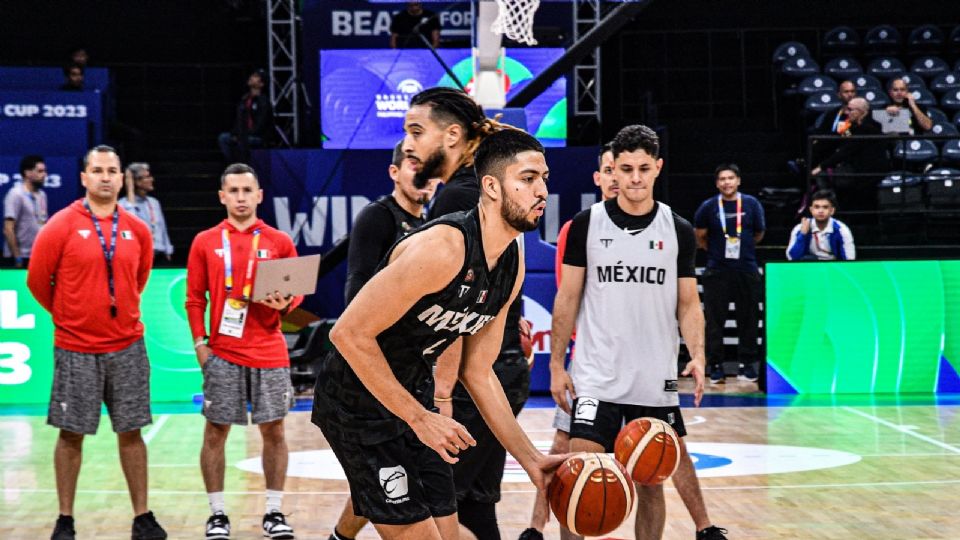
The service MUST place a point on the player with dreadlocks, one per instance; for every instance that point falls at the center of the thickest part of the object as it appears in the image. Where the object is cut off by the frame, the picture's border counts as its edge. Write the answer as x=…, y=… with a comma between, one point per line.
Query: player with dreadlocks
x=444, y=127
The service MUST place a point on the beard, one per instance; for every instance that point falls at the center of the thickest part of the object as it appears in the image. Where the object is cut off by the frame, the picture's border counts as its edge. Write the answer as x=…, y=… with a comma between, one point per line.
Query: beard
x=516, y=217
x=38, y=183
x=430, y=169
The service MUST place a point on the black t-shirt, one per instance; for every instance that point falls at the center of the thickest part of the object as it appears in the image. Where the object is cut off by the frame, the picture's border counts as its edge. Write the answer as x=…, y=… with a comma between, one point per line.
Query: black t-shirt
x=378, y=226
x=412, y=344
x=404, y=23
x=576, y=252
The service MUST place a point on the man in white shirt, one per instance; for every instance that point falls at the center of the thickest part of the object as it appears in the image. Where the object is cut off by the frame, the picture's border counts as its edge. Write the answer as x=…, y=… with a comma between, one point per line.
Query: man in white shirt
x=139, y=203
x=24, y=211
x=821, y=238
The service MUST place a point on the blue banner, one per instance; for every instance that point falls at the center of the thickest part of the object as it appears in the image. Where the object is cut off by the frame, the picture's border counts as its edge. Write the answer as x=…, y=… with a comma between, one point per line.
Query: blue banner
x=49, y=123
x=62, y=185
x=365, y=93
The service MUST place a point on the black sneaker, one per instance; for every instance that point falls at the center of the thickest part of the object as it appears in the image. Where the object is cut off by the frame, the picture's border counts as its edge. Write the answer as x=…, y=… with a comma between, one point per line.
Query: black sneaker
x=275, y=526
x=747, y=373
x=712, y=533
x=63, y=530
x=531, y=534
x=716, y=374
x=145, y=527
x=218, y=527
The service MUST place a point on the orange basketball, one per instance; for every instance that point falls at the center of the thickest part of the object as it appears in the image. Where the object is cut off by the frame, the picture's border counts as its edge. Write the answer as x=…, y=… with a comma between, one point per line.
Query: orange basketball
x=649, y=449
x=591, y=494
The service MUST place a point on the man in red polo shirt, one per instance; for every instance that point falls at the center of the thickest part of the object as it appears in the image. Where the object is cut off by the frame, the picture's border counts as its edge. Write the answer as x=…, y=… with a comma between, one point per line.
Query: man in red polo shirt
x=88, y=266
x=244, y=356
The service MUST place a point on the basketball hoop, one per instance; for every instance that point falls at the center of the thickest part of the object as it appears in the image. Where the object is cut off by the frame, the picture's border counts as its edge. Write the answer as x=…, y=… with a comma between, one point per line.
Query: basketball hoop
x=515, y=20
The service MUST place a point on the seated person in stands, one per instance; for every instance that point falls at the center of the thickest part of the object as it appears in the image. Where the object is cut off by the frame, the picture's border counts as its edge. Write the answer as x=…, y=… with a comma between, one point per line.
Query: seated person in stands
x=73, y=75
x=821, y=238
x=854, y=156
x=252, y=124
x=902, y=102
x=832, y=122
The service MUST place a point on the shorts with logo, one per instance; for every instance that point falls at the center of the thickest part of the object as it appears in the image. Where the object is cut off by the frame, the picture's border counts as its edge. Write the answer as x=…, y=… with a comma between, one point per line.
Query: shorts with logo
x=84, y=381
x=228, y=387
x=395, y=482
x=601, y=421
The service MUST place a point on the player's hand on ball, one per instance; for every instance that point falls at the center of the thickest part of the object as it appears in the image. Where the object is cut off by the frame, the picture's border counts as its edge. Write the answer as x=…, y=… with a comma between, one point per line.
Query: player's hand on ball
x=561, y=386
x=444, y=435
x=544, y=468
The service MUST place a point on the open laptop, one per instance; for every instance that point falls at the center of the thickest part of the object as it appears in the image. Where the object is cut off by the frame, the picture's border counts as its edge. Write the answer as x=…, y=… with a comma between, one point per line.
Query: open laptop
x=292, y=276
x=893, y=124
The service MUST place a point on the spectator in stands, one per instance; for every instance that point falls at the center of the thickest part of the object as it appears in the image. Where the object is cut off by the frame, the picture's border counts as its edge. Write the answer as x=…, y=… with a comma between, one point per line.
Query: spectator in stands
x=24, y=211
x=854, y=156
x=832, y=122
x=79, y=57
x=139, y=183
x=252, y=123
x=821, y=238
x=73, y=75
x=728, y=227
x=901, y=99
x=408, y=25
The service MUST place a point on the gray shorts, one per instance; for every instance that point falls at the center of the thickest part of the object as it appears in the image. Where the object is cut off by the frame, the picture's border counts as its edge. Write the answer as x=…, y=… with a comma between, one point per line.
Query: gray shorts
x=228, y=387
x=82, y=381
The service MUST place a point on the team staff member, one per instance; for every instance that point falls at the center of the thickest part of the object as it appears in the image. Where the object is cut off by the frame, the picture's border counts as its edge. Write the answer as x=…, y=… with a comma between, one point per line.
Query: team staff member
x=603, y=178
x=89, y=266
x=377, y=227
x=25, y=211
x=628, y=282
x=244, y=356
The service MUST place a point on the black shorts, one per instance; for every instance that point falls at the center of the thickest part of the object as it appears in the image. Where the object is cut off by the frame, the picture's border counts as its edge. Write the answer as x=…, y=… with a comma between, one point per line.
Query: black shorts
x=396, y=482
x=479, y=472
x=601, y=421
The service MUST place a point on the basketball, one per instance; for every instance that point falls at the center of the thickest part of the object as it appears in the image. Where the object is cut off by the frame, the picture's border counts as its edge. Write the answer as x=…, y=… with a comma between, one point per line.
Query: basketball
x=591, y=494
x=649, y=449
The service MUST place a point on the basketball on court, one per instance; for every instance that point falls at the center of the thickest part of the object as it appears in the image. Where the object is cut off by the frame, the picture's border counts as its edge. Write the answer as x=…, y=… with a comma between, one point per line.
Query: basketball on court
x=649, y=449
x=591, y=494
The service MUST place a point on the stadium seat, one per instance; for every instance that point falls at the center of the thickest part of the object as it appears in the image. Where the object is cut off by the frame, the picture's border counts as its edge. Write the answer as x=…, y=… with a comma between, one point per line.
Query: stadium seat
x=916, y=151
x=943, y=186
x=929, y=66
x=876, y=98
x=926, y=37
x=956, y=119
x=863, y=82
x=951, y=152
x=944, y=128
x=841, y=39
x=886, y=67
x=900, y=190
x=953, y=42
x=788, y=50
x=822, y=101
x=951, y=100
x=882, y=38
x=799, y=67
x=843, y=67
x=816, y=83
x=937, y=115
x=914, y=81
x=924, y=97
x=945, y=82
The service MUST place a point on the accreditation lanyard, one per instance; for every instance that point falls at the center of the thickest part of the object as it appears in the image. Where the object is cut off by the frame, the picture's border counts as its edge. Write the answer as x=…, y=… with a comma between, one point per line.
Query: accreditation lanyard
x=39, y=206
x=107, y=253
x=228, y=263
x=723, y=216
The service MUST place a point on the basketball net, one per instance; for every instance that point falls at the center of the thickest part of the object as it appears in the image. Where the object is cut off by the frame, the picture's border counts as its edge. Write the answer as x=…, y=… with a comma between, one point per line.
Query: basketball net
x=515, y=20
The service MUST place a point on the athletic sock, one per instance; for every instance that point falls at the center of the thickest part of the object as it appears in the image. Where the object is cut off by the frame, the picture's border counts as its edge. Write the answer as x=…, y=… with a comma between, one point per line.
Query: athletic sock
x=339, y=536
x=216, y=502
x=274, y=500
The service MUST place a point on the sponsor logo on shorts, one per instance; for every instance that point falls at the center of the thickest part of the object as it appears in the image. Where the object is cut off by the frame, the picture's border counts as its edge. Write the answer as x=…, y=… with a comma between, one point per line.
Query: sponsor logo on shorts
x=670, y=385
x=393, y=480
x=586, y=411
x=671, y=418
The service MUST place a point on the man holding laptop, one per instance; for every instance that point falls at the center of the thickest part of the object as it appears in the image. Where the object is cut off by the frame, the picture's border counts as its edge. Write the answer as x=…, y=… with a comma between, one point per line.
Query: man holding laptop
x=243, y=356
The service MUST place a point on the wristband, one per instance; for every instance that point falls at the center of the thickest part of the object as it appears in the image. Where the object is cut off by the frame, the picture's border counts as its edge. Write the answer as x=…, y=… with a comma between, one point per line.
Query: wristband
x=200, y=341
x=439, y=399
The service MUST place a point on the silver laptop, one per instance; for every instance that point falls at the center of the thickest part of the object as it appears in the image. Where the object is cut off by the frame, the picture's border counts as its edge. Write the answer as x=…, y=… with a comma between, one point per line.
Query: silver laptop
x=893, y=124
x=291, y=277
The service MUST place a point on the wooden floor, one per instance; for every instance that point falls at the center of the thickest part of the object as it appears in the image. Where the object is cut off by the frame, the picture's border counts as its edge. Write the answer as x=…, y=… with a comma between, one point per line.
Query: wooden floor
x=801, y=470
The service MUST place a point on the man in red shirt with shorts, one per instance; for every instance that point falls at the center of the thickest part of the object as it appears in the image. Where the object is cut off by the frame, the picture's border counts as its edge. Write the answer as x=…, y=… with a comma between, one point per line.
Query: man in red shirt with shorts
x=244, y=356
x=88, y=266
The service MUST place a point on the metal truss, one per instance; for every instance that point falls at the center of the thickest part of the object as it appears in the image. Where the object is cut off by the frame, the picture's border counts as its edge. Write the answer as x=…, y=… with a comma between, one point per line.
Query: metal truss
x=284, y=79
x=586, y=102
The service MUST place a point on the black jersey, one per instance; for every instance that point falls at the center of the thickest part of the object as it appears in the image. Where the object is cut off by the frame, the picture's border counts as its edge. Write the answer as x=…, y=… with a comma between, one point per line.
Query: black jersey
x=411, y=346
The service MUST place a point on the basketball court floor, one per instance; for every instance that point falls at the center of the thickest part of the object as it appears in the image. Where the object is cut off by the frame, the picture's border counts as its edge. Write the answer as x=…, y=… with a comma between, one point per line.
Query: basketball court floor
x=843, y=468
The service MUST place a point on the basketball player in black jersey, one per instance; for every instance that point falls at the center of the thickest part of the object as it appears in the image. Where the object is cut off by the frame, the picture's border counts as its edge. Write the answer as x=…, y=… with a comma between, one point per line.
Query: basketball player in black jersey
x=453, y=278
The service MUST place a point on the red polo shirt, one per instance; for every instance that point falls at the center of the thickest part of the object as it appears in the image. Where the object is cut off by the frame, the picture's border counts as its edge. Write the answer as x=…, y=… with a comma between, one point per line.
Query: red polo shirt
x=262, y=344
x=68, y=277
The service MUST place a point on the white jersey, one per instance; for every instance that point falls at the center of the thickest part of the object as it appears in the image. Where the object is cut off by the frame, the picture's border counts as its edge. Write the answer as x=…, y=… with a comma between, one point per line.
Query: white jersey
x=627, y=332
